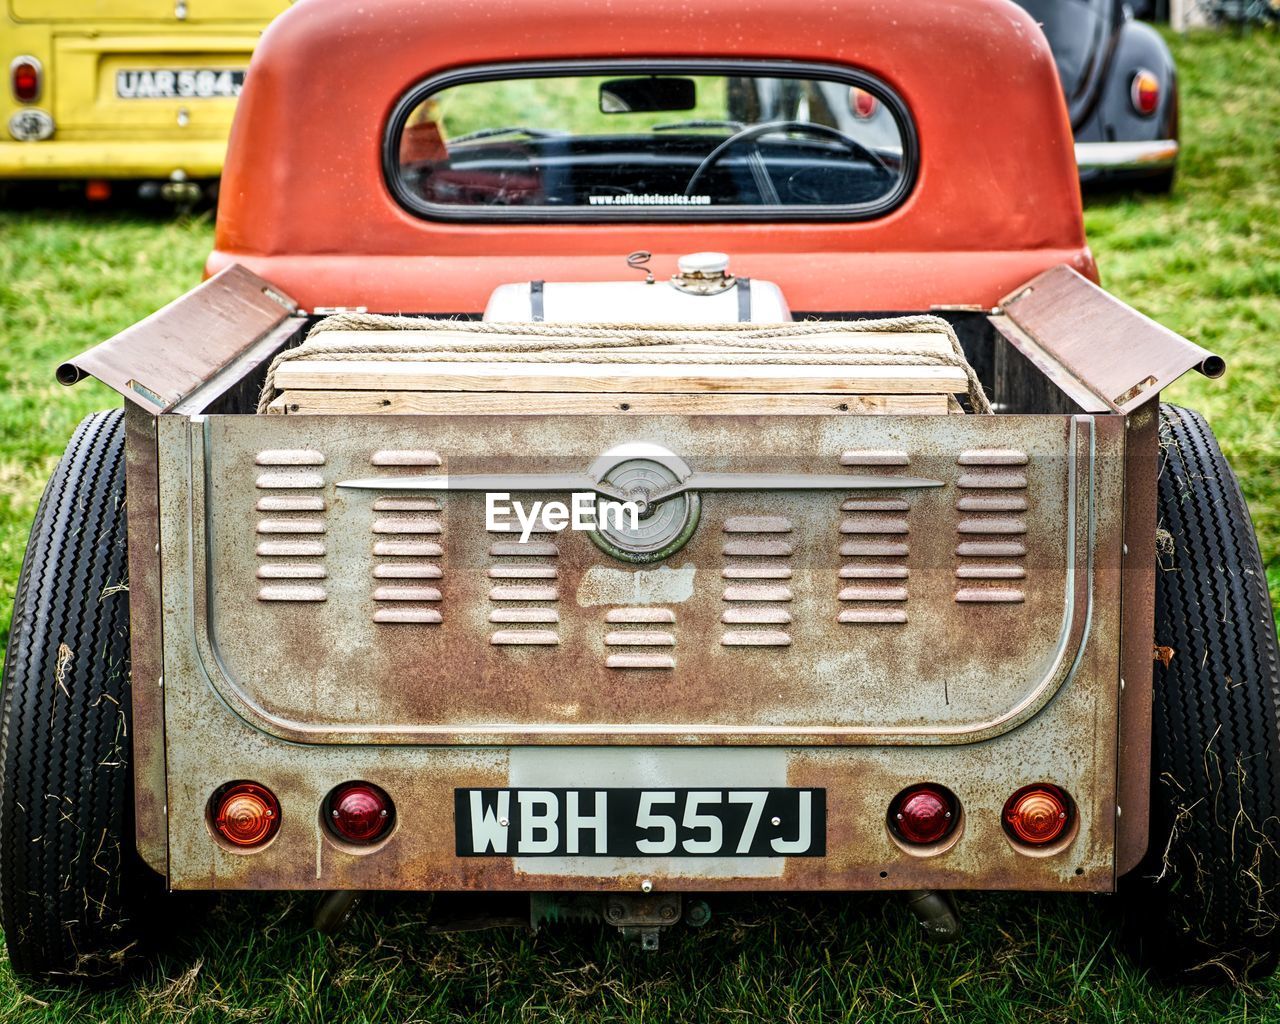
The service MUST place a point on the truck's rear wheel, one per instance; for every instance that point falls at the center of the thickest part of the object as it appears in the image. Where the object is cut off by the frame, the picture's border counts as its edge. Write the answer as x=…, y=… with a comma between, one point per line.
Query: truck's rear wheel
x=1204, y=899
x=71, y=883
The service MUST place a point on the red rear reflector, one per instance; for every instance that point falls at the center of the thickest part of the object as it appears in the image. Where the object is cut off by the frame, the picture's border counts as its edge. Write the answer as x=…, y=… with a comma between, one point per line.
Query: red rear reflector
x=1144, y=92
x=862, y=103
x=24, y=76
x=1037, y=815
x=97, y=191
x=359, y=812
x=245, y=814
x=923, y=814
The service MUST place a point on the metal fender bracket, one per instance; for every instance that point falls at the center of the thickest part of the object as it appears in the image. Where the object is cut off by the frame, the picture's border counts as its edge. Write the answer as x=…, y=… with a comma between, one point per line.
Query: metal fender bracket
x=161, y=360
x=1104, y=354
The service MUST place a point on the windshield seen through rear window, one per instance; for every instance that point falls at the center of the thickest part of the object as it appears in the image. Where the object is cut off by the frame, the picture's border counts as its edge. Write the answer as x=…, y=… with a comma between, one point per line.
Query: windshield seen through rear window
x=644, y=144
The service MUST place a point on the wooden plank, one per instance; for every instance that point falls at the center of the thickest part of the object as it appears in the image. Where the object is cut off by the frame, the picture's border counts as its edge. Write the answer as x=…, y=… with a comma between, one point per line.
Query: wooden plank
x=373, y=375
x=416, y=403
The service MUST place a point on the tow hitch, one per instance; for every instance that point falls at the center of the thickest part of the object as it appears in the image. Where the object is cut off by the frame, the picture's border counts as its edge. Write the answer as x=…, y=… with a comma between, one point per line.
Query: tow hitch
x=640, y=918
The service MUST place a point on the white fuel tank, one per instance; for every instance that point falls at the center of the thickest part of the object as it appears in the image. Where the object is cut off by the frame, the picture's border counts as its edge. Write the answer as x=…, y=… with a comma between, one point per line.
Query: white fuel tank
x=703, y=292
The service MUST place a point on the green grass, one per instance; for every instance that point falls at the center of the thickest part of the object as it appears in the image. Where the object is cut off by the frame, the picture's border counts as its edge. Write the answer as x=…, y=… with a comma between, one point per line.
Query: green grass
x=567, y=103
x=67, y=281
x=1206, y=262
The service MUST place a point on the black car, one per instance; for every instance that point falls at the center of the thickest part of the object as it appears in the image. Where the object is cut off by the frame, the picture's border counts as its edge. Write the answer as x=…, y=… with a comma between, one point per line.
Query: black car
x=1121, y=89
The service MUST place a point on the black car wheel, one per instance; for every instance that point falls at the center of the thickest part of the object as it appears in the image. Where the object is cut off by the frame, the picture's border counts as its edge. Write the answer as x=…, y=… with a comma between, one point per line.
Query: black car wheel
x=72, y=888
x=1205, y=898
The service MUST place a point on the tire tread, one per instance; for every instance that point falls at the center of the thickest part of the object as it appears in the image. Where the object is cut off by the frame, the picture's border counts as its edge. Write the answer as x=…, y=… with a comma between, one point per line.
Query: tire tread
x=66, y=829
x=1205, y=893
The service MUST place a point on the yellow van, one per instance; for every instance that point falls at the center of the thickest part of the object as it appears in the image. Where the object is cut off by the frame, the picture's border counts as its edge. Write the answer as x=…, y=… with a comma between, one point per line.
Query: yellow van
x=133, y=90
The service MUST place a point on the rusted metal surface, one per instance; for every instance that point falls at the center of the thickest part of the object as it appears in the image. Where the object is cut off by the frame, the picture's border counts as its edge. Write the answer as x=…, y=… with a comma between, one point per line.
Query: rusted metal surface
x=160, y=360
x=1024, y=379
x=981, y=697
x=1140, y=565
x=655, y=910
x=300, y=688
x=1090, y=343
x=145, y=636
x=1061, y=745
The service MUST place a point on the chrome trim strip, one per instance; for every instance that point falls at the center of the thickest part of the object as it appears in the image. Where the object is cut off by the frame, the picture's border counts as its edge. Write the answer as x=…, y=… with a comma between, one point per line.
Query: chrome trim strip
x=1127, y=156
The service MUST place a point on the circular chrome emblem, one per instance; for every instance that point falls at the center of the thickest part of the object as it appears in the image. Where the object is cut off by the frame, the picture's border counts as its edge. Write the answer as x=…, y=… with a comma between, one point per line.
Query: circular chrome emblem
x=640, y=472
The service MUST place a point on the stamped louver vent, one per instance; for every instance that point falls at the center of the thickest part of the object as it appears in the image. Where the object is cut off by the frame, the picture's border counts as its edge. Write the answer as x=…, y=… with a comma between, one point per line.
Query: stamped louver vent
x=991, y=549
x=874, y=546
x=291, y=525
x=640, y=638
x=406, y=547
x=757, y=574
x=523, y=589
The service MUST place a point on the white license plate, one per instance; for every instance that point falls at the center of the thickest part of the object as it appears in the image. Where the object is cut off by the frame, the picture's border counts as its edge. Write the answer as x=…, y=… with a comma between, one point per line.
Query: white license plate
x=779, y=822
x=179, y=83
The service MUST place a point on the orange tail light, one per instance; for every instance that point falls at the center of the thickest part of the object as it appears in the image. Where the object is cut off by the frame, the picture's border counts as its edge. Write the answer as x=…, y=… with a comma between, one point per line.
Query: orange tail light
x=245, y=814
x=1038, y=815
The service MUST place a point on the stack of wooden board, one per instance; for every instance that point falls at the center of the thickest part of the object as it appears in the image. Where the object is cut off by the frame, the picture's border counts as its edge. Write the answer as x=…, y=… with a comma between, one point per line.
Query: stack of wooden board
x=904, y=373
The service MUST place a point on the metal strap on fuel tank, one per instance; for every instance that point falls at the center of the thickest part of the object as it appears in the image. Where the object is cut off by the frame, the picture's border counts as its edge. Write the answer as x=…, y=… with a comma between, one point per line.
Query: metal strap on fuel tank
x=537, y=301
x=744, y=300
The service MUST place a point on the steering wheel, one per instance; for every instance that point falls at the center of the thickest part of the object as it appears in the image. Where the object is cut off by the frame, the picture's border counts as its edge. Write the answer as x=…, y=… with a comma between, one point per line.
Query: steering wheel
x=756, y=131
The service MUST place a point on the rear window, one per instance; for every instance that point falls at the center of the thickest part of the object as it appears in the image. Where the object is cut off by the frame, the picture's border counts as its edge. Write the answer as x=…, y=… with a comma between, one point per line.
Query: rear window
x=650, y=141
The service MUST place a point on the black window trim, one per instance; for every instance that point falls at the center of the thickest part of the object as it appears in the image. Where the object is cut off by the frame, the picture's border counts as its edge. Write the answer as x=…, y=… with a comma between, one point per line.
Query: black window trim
x=651, y=214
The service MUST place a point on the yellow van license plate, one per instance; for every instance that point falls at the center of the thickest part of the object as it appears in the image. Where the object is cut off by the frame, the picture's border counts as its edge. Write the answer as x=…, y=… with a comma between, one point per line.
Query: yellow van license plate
x=179, y=83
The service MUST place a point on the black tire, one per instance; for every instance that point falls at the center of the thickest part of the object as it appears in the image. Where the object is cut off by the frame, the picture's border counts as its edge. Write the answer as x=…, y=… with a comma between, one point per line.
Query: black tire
x=71, y=883
x=1204, y=900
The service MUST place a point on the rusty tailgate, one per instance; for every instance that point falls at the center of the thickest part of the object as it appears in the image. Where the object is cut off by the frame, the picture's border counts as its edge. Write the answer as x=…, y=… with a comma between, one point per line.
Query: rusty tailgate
x=922, y=615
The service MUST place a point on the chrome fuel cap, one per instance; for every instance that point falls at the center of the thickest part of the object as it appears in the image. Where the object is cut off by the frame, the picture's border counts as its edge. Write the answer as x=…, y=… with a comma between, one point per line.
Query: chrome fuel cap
x=703, y=273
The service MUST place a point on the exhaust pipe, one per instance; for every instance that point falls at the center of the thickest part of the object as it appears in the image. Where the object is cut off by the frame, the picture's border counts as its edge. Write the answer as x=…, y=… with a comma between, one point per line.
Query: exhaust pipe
x=936, y=914
x=333, y=910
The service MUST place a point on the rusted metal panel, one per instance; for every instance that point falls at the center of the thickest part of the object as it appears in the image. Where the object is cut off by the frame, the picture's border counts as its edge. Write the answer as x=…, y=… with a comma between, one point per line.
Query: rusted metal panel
x=145, y=638
x=710, y=715
x=162, y=359
x=1091, y=343
x=1140, y=555
x=236, y=386
x=440, y=679
x=1066, y=744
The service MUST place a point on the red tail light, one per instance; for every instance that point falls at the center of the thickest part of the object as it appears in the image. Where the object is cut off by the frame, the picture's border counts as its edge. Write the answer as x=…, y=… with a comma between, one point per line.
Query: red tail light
x=245, y=814
x=923, y=814
x=359, y=812
x=1144, y=92
x=1038, y=815
x=862, y=103
x=24, y=77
